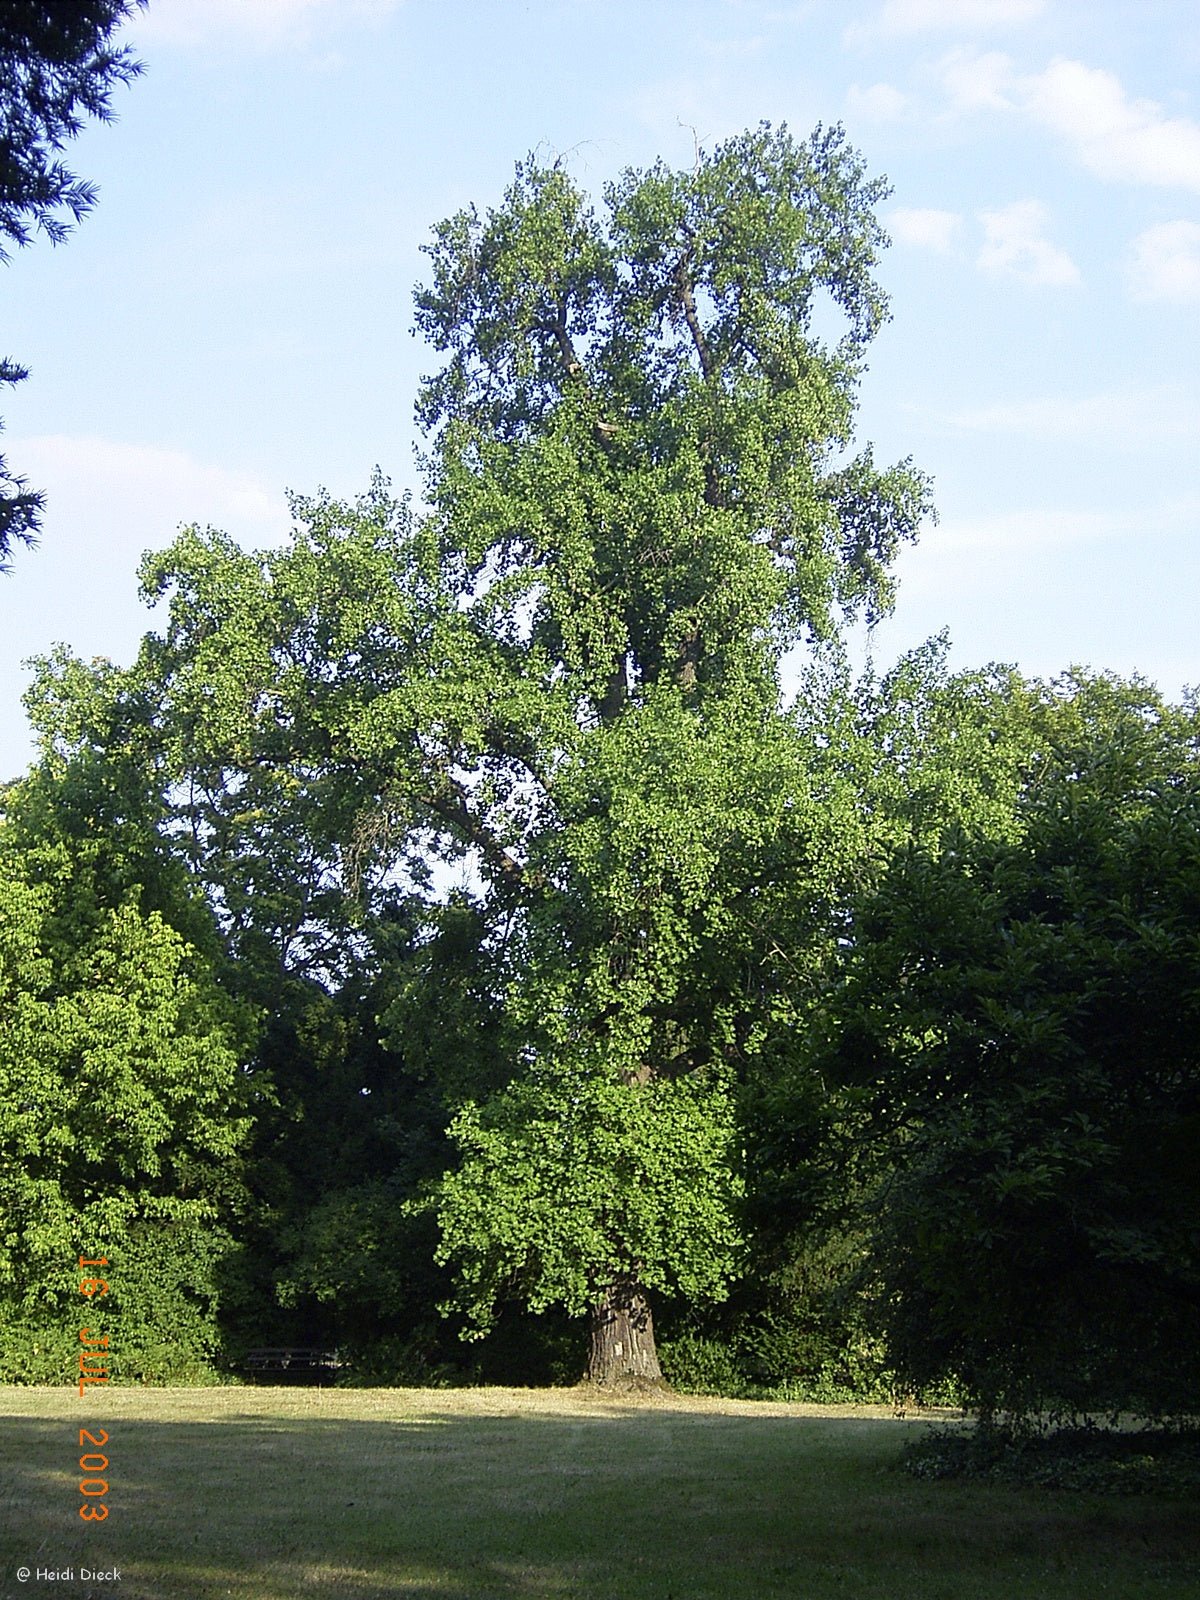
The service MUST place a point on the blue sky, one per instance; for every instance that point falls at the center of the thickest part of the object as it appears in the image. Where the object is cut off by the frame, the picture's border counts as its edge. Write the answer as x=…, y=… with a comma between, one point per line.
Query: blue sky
x=235, y=317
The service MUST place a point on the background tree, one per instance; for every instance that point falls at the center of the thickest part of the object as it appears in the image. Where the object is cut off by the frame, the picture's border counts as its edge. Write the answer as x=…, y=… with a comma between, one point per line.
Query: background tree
x=1020, y=1023
x=340, y=1135
x=902, y=762
x=565, y=680
x=121, y=1100
x=57, y=67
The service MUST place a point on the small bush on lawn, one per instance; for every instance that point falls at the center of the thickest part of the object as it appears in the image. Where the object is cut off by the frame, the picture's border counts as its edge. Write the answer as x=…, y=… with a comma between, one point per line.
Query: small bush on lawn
x=696, y=1365
x=394, y=1364
x=1149, y=1461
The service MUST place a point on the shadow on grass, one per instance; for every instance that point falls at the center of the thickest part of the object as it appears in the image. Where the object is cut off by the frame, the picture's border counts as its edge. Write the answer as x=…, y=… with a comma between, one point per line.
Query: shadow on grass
x=641, y=1505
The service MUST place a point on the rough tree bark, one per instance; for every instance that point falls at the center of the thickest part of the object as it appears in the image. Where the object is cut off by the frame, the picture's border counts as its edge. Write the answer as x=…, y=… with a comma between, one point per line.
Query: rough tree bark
x=622, y=1344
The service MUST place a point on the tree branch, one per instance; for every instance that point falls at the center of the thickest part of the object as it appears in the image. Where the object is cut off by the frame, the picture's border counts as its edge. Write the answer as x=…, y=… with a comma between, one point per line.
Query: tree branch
x=616, y=692
x=500, y=742
x=450, y=803
x=687, y=301
x=558, y=332
x=687, y=658
x=573, y=367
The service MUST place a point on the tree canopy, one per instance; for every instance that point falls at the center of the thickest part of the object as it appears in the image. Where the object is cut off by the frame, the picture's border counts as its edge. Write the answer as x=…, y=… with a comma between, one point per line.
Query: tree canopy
x=565, y=679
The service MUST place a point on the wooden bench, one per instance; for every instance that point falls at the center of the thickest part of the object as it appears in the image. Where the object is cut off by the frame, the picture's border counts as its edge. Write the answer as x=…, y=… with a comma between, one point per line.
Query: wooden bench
x=292, y=1364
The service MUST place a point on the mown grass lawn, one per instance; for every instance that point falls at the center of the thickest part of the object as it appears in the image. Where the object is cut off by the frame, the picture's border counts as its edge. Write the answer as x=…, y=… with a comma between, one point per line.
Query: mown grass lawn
x=274, y=1494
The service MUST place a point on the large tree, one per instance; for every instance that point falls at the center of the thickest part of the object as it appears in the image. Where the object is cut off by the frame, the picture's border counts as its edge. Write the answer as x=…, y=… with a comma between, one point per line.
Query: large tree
x=58, y=65
x=565, y=678
x=639, y=453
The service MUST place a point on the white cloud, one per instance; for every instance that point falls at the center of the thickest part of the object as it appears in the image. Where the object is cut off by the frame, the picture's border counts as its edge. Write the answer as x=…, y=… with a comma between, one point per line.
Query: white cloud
x=105, y=494
x=1014, y=246
x=1165, y=262
x=926, y=228
x=977, y=82
x=1114, y=136
x=732, y=49
x=257, y=22
x=880, y=102
x=898, y=17
x=1120, y=418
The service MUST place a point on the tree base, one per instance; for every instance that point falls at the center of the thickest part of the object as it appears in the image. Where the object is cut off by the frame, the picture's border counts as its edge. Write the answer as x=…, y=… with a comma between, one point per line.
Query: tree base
x=622, y=1344
x=624, y=1388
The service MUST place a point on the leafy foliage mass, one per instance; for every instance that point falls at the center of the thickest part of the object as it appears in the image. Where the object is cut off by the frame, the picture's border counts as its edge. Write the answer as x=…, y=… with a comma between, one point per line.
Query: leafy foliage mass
x=1021, y=1016
x=121, y=1115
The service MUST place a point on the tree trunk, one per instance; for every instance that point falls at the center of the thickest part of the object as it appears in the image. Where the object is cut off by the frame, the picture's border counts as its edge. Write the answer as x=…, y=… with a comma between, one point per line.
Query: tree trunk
x=622, y=1348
